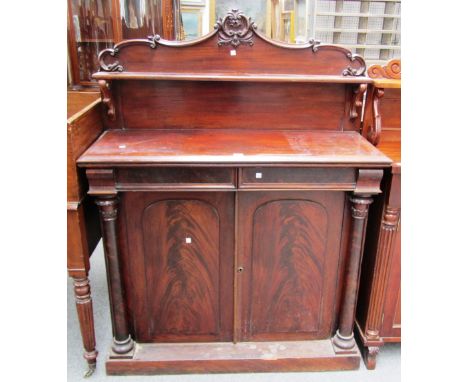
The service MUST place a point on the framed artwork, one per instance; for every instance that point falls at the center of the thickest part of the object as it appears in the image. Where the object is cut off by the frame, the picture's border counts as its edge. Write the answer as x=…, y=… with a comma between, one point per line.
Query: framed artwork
x=198, y=3
x=287, y=32
x=301, y=17
x=192, y=20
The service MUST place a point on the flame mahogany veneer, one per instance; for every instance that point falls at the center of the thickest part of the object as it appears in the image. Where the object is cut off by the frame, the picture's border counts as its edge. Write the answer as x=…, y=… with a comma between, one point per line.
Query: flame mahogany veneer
x=233, y=186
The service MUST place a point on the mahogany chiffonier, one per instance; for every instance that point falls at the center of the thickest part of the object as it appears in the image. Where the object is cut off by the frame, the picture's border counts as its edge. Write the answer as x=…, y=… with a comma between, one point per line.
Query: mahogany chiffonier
x=379, y=307
x=84, y=125
x=233, y=186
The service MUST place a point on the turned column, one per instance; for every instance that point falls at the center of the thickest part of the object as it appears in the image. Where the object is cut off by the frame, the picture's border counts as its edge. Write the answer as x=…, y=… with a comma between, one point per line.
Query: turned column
x=84, y=307
x=122, y=343
x=343, y=340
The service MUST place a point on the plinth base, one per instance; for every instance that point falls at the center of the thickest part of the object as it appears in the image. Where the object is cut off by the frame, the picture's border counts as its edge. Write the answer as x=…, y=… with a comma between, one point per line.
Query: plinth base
x=226, y=357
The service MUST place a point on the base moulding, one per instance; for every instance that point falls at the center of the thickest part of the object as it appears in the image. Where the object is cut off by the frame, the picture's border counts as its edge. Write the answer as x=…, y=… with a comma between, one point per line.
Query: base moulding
x=227, y=357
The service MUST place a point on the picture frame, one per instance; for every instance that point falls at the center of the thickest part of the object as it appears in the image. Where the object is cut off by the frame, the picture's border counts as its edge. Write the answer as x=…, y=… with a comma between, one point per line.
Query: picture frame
x=198, y=3
x=192, y=20
x=287, y=27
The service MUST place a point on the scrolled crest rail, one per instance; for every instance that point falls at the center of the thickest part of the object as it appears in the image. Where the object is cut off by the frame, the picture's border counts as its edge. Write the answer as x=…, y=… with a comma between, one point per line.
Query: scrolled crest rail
x=233, y=30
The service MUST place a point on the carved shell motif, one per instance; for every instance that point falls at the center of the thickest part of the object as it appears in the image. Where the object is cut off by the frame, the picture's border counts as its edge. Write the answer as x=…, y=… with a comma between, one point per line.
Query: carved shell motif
x=235, y=29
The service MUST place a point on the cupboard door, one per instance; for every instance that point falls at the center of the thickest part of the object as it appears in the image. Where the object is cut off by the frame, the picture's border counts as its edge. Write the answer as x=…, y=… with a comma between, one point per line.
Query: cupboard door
x=289, y=256
x=179, y=265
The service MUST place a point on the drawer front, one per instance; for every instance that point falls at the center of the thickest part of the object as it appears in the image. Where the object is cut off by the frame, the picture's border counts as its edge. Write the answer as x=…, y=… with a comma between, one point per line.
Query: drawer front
x=297, y=177
x=175, y=178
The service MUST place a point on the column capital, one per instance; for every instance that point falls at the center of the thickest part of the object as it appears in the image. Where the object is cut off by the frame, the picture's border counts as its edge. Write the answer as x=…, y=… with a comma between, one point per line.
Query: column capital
x=360, y=205
x=108, y=206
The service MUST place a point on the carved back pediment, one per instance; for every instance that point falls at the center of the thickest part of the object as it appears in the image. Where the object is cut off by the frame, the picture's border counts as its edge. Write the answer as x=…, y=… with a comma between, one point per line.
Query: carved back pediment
x=392, y=70
x=234, y=47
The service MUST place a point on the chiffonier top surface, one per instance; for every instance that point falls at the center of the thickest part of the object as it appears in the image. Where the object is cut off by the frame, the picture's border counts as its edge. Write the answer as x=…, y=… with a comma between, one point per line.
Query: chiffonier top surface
x=209, y=146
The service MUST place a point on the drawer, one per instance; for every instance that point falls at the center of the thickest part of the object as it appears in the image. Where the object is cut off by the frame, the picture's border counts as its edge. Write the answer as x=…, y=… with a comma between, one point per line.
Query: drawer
x=175, y=178
x=298, y=178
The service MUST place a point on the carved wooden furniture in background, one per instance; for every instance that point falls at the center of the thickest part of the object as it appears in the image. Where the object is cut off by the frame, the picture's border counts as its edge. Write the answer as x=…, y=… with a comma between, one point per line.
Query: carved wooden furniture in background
x=98, y=24
x=233, y=186
x=378, y=315
x=83, y=126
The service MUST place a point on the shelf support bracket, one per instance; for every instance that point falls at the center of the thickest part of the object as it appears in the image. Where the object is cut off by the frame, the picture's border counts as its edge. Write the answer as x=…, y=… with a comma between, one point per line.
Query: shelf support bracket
x=358, y=97
x=372, y=126
x=107, y=100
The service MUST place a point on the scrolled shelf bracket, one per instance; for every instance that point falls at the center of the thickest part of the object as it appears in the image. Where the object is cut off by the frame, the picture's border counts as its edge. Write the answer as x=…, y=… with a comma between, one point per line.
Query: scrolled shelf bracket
x=357, y=102
x=375, y=129
x=107, y=100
